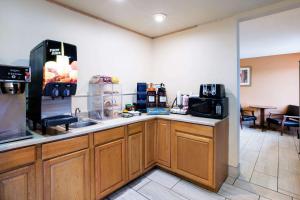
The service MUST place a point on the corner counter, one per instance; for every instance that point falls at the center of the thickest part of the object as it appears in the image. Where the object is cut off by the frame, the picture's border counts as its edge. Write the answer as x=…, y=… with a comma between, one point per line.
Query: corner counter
x=99, y=159
x=104, y=125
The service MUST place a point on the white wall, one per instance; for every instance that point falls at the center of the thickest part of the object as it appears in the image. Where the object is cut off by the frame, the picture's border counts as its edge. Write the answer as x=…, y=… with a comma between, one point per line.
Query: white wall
x=102, y=48
x=271, y=35
x=209, y=53
x=206, y=54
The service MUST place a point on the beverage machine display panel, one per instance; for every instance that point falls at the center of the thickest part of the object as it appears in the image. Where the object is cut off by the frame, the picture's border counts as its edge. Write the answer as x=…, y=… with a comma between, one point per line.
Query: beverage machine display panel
x=61, y=64
x=14, y=74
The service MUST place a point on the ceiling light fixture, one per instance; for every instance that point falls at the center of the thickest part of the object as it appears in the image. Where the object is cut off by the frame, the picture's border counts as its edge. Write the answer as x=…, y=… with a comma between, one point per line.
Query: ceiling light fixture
x=159, y=17
x=119, y=1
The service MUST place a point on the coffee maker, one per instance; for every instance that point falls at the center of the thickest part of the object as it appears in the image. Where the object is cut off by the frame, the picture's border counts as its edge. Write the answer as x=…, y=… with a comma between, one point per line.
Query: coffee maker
x=54, y=80
x=13, y=80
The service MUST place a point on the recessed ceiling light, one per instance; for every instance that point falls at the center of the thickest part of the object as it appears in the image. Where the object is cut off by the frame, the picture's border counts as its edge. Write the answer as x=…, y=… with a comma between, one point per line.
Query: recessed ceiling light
x=159, y=17
x=119, y=1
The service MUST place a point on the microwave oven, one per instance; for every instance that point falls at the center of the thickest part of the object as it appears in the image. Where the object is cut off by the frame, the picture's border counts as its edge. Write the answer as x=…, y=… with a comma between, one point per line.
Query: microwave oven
x=208, y=107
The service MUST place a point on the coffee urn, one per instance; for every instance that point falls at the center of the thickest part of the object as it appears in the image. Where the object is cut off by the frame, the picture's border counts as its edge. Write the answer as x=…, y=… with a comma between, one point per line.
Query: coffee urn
x=13, y=80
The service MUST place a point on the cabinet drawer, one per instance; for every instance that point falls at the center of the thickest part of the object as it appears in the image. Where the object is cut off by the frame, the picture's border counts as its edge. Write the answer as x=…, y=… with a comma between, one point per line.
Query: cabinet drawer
x=106, y=136
x=194, y=129
x=135, y=128
x=16, y=158
x=53, y=149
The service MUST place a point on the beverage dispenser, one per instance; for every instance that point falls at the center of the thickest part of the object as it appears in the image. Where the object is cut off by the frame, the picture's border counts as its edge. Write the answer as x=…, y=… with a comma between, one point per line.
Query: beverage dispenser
x=54, y=80
x=13, y=80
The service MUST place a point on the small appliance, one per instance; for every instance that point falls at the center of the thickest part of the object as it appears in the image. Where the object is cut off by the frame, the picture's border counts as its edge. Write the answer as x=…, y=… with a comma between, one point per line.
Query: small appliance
x=151, y=96
x=181, y=106
x=212, y=91
x=208, y=107
x=141, y=96
x=161, y=96
x=13, y=80
x=54, y=80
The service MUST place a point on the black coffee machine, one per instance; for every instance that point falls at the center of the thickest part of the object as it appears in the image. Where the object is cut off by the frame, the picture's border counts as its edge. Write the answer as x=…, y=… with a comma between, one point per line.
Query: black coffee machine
x=211, y=103
x=54, y=80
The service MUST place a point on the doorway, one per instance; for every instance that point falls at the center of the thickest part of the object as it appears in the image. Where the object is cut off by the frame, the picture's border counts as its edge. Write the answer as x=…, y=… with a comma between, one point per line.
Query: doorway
x=269, y=78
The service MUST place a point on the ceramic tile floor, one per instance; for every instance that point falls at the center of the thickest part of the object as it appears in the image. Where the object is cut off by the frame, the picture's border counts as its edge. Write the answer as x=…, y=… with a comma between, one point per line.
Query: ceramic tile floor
x=270, y=160
x=270, y=169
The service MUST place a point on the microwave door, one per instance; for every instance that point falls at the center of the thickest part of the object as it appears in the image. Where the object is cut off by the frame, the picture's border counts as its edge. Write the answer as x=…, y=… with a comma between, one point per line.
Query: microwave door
x=203, y=107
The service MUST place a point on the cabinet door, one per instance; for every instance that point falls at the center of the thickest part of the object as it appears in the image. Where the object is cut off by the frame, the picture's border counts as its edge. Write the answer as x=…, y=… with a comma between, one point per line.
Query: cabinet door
x=109, y=167
x=150, y=143
x=164, y=143
x=18, y=184
x=135, y=155
x=67, y=177
x=193, y=157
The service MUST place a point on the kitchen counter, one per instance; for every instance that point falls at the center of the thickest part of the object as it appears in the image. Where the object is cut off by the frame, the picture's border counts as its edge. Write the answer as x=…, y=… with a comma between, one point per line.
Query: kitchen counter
x=103, y=125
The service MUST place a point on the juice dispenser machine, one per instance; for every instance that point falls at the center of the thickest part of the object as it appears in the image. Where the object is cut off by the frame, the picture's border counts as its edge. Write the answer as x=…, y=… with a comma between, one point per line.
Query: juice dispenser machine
x=54, y=80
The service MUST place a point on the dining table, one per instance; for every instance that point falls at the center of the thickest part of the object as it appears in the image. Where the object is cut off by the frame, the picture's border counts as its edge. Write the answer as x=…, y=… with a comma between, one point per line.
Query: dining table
x=262, y=109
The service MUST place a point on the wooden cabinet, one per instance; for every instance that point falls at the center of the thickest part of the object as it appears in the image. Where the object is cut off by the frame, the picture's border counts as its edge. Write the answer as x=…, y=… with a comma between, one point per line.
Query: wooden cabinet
x=95, y=165
x=164, y=143
x=150, y=143
x=135, y=150
x=18, y=184
x=109, y=162
x=67, y=177
x=193, y=152
x=193, y=157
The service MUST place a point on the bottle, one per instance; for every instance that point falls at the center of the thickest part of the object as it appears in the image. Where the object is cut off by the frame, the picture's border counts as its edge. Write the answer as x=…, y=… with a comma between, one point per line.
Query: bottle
x=162, y=96
x=151, y=96
x=179, y=99
x=185, y=100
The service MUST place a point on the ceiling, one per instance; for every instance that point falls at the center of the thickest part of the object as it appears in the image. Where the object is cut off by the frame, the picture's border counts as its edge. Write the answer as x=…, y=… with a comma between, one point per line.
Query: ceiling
x=271, y=35
x=136, y=15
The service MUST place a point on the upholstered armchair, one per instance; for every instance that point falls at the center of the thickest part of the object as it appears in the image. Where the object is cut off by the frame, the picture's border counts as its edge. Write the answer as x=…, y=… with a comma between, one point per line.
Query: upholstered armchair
x=289, y=119
x=247, y=115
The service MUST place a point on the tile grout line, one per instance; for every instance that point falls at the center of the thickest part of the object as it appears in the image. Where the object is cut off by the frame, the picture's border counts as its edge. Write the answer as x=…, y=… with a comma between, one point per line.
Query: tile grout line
x=178, y=193
x=246, y=142
x=264, y=188
x=290, y=195
x=175, y=184
x=295, y=138
x=169, y=189
x=257, y=159
x=196, y=186
x=246, y=190
x=278, y=164
x=141, y=188
x=235, y=180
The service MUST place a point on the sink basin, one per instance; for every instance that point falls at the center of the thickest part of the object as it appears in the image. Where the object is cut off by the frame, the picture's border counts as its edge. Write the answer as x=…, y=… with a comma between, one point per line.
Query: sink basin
x=81, y=124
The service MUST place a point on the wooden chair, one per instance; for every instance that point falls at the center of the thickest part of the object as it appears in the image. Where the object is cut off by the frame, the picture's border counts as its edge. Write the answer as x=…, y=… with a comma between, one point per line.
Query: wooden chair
x=247, y=115
x=289, y=119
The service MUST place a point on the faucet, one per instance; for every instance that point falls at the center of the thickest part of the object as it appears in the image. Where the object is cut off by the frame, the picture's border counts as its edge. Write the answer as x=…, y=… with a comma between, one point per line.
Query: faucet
x=77, y=110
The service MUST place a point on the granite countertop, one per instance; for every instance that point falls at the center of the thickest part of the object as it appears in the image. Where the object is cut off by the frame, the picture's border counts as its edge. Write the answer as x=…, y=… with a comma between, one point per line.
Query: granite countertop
x=103, y=125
